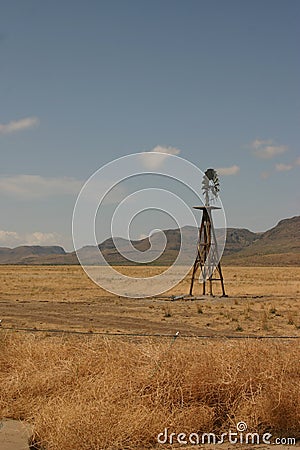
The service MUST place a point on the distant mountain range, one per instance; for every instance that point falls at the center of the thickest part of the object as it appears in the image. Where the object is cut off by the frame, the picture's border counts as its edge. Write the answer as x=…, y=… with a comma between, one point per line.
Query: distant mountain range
x=277, y=246
x=23, y=254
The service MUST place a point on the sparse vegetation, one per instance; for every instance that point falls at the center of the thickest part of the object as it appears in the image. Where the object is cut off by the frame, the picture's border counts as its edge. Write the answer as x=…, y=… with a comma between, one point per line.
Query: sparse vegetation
x=167, y=311
x=265, y=321
x=291, y=320
x=199, y=309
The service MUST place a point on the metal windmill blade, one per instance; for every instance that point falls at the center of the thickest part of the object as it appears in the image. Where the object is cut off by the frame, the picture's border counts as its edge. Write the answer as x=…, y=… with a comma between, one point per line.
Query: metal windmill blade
x=210, y=186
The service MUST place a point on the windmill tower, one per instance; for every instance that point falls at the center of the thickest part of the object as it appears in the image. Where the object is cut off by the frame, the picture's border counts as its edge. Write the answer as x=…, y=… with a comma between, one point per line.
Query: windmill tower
x=207, y=258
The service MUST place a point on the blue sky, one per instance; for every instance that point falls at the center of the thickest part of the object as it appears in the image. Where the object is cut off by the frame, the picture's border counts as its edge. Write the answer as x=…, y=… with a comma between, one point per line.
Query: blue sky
x=85, y=82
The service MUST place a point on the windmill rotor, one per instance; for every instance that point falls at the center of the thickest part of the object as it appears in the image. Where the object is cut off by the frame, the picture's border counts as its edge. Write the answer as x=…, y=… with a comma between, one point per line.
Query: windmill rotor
x=210, y=186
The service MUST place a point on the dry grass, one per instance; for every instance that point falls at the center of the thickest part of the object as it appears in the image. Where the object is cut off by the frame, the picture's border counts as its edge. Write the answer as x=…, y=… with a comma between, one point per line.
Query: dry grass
x=262, y=300
x=100, y=393
x=62, y=283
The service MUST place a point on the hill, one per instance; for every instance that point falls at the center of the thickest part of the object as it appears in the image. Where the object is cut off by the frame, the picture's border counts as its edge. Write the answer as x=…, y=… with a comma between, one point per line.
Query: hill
x=277, y=246
x=237, y=239
x=25, y=253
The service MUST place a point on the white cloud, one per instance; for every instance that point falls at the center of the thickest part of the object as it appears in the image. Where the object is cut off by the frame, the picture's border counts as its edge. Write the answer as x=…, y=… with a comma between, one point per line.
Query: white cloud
x=267, y=149
x=258, y=143
x=271, y=150
x=283, y=167
x=9, y=238
x=30, y=187
x=14, y=239
x=36, y=186
x=39, y=238
x=18, y=125
x=264, y=175
x=233, y=170
x=156, y=157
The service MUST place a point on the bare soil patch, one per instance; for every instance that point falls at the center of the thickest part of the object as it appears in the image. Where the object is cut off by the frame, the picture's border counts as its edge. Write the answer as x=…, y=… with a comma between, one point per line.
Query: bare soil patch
x=14, y=435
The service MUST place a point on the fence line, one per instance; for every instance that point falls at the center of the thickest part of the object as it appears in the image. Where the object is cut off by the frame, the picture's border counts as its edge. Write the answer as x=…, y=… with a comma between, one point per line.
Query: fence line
x=157, y=335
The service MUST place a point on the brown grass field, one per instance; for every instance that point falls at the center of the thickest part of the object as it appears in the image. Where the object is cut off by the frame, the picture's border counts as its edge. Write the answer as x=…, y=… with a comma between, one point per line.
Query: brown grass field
x=110, y=392
x=262, y=300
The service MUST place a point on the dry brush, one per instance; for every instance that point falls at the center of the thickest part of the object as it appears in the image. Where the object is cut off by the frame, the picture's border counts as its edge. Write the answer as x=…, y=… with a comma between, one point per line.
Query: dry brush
x=110, y=393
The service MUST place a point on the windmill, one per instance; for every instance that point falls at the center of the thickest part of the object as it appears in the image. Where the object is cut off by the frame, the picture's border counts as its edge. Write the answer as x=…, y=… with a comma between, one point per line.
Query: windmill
x=207, y=258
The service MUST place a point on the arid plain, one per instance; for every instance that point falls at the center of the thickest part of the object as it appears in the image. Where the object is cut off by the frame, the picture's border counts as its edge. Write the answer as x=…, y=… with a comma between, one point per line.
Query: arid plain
x=103, y=390
x=261, y=301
